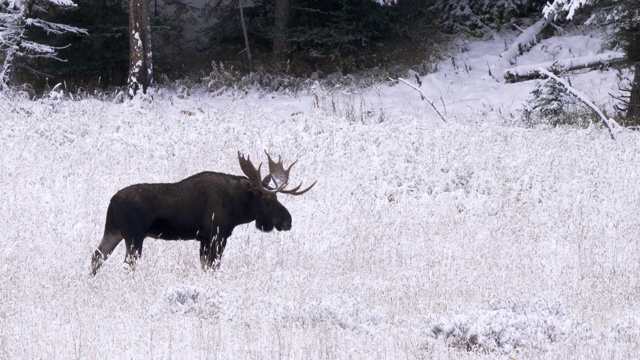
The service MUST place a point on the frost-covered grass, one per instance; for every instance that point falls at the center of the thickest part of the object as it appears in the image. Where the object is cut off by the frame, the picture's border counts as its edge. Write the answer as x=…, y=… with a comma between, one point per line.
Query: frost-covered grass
x=421, y=239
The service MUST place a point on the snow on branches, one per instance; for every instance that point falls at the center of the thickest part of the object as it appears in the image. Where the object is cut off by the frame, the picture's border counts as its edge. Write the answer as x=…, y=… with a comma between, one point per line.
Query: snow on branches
x=610, y=123
x=16, y=17
x=524, y=42
x=558, y=6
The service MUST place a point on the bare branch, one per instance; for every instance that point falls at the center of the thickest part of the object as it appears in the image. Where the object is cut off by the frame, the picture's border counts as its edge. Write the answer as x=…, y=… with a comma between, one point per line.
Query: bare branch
x=423, y=97
x=611, y=124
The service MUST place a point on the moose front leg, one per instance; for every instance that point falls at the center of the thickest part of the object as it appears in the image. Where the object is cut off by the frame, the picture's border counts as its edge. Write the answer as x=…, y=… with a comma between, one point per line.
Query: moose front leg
x=205, y=250
x=211, y=252
x=221, y=243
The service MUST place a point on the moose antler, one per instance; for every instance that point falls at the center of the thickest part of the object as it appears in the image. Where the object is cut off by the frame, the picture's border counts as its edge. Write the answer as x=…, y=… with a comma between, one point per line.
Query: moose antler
x=280, y=176
x=277, y=173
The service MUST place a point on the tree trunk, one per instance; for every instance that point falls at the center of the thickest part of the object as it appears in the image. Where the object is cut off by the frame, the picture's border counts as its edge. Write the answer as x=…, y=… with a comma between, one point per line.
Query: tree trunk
x=140, y=64
x=98, y=37
x=633, y=109
x=282, y=22
x=633, y=54
x=523, y=43
x=245, y=34
x=5, y=71
x=12, y=43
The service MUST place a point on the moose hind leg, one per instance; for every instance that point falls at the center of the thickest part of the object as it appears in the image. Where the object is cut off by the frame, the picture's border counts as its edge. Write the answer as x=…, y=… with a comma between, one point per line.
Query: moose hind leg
x=109, y=242
x=134, y=250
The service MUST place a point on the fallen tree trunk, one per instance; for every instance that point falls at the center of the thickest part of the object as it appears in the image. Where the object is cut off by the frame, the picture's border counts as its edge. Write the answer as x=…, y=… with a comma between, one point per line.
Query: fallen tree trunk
x=530, y=72
x=523, y=43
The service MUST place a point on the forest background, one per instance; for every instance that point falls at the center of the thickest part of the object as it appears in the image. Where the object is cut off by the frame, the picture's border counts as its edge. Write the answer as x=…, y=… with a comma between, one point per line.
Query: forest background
x=284, y=44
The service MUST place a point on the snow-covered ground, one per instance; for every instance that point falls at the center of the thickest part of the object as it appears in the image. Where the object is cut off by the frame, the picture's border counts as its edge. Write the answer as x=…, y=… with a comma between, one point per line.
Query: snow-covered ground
x=476, y=238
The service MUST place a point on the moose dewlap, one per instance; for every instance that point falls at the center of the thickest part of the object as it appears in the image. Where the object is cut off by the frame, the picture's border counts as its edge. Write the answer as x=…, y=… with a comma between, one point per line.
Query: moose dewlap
x=205, y=207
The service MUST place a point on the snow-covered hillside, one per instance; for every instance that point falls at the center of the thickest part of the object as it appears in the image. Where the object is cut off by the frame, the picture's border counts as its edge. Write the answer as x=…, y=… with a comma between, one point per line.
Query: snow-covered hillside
x=475, y=238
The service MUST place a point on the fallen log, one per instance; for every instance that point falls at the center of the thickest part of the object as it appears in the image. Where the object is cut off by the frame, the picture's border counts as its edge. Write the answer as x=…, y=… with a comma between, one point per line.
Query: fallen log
x=531, y=72
x=523, y=43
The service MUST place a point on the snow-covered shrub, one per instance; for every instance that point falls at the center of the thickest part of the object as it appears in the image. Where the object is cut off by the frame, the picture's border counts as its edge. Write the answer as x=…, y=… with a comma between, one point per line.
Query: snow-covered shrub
x=224, y=78
x=188, y=299
x=508, y=327
x=335, y=310
x=476, y=17
x=552, y=104
x=218, y=78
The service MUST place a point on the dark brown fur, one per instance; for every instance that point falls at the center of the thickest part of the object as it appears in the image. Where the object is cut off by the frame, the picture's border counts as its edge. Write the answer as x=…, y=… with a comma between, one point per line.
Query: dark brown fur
x=205, y=207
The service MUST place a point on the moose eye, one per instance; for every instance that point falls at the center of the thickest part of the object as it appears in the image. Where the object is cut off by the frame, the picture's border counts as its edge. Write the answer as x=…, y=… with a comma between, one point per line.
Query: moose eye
x=266, y=200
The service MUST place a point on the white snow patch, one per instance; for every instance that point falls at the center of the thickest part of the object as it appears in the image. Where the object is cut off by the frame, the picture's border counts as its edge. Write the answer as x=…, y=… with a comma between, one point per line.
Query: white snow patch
x=414, y=225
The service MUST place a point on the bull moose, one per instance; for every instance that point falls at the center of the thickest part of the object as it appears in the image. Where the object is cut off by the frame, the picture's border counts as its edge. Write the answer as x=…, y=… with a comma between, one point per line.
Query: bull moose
x=205, y=207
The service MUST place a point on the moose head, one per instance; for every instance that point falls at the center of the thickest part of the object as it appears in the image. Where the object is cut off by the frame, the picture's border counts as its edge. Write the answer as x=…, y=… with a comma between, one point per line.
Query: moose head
x=269, y=212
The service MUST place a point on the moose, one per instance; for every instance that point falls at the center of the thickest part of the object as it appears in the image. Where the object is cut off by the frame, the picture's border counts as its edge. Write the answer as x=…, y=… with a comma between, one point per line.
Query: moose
x=205, y=207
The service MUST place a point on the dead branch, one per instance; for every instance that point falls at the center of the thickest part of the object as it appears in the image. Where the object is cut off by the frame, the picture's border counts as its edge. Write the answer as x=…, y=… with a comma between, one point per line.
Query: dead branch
x=611, y=124
x=244, y=33
x=423, y=97
x=523, y=43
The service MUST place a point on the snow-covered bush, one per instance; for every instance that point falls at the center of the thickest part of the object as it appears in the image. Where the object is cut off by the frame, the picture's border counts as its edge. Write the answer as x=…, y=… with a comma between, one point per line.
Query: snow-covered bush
x=508, y=327
x=225, y=78
x=188, y=299
x=552, y=104
x=338, y=311
x=477, y=16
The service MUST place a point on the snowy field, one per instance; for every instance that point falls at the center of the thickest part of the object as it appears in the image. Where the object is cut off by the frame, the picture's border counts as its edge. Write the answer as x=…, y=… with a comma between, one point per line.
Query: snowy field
x=472, y=239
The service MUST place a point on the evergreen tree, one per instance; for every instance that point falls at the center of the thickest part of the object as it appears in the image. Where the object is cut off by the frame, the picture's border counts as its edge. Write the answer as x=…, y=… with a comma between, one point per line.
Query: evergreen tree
x=624, y=17
x=552, y=104
x=18, y=19
x=325, y=36
x=477, y=16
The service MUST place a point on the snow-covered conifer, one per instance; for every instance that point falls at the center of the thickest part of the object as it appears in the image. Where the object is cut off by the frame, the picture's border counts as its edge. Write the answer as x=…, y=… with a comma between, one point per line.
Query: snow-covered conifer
x=552, y=104
x=623, y=17
x=17, y=17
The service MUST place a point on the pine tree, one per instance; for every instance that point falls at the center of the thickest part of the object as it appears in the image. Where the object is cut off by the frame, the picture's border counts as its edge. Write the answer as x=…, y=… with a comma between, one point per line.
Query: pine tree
x=552, y=104
x=624, y=17
x=17, y=18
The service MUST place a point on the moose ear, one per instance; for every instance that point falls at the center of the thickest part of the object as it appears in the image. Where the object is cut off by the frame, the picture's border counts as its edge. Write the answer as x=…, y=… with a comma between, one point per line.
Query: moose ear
x=265, y=182
x=248, y=185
